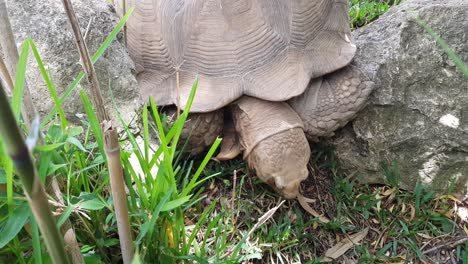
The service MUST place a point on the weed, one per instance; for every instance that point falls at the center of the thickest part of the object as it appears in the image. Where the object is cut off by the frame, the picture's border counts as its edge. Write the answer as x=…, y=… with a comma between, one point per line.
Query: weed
x=363, y=12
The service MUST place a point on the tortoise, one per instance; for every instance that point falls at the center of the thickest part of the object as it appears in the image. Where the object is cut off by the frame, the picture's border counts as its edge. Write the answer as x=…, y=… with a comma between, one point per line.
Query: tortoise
x=279, y=70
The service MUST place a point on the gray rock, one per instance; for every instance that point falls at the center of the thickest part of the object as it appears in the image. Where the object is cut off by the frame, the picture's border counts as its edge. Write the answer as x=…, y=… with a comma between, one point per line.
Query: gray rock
x=46, y=23
x=418, y=113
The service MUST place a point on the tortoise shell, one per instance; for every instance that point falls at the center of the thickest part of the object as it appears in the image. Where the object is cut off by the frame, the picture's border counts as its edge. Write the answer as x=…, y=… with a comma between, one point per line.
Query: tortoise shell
x=269, y=49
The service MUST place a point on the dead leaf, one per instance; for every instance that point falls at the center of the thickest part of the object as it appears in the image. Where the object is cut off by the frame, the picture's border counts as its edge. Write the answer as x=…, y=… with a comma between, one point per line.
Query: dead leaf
x=450, y=197
x=413, y=212
x=392, y=197
x=403, y=208
x=388, y=192
x=315, y=225
x=303, y=202
x=383, y=240
x=426, y=236
x=379, y=203
x=344, y=245
x=292, y=216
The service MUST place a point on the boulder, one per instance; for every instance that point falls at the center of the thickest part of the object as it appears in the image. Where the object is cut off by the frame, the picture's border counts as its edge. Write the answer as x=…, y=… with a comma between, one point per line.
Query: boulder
x=417, y=116
x=46, y=23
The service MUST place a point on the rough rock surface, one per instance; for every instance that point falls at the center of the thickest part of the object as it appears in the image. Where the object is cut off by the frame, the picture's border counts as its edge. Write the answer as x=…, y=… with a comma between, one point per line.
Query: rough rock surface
x=46, y=23
x=418, y=113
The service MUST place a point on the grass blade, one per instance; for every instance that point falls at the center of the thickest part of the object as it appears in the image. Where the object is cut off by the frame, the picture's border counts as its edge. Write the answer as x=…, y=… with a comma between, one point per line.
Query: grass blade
x=36, y=242
x=463, y=68
x=93, y=122
x=32, y=186
x=193, y=182
x=17, y=99
x=155, y=215
x=49, y=84
x=8, y=167
x=94, y=58
x=14, y=224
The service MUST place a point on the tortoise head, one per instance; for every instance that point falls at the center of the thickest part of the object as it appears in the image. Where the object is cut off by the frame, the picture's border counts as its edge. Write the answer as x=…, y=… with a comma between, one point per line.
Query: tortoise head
x=281, y=161
x=287, y=181
x=274, y=143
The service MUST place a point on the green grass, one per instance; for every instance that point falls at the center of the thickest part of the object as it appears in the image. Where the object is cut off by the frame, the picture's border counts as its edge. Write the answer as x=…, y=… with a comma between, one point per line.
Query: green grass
x=363, y=12
x=215, y=216
x=157, y=203
x=404, y=225
x=200, y=211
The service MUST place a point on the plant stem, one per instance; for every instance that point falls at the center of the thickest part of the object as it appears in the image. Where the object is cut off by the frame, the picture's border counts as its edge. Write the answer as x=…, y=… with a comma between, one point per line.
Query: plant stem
x=10, y=51
x=5, y=75
x=111, y=143
x=67, y=231
x=86, y=62
x=32, y=186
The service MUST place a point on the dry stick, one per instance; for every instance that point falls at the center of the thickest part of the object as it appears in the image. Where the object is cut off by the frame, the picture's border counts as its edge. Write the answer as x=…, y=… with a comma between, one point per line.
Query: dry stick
x=68, y=233
x=5, y=75
x=32, y=186
x=86, y=62
x=111, y=143
x=447, y=245
x=53, y=189
x=10, y=51
x=88, y=27
x=233, y=197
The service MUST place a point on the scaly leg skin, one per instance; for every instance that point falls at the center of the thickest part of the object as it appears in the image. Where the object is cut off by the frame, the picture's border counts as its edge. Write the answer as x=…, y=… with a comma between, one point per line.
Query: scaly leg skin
x=332, y=101
x=200, y=130
x=230, y=146
x=274, y=141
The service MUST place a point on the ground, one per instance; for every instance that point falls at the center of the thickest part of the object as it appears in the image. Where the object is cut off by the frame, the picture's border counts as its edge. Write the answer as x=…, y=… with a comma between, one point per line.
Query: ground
x=404, y=226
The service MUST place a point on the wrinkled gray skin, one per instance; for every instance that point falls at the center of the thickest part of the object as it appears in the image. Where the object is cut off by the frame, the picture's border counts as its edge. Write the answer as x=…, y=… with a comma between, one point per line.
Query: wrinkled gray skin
x=418, y=114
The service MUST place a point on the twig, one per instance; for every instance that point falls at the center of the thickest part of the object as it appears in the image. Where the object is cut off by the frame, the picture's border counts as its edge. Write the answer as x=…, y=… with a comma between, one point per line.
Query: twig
x=88, y=27
x=111, y=142
x=32, y=186
x=86, y=62
x=66, y=229
x=430, y=240
x=233, y=198
x=263, y=219
x=447, y=245
x=452, y=258
x=5, y=75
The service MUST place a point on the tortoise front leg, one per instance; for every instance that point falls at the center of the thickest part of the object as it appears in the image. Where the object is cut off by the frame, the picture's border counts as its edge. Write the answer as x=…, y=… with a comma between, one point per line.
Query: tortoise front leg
x=332, y=101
